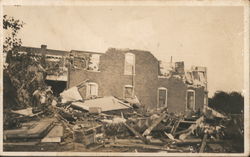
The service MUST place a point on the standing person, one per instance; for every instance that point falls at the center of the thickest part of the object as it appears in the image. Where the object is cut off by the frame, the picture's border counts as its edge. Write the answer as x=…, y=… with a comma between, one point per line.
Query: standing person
x=36, y=97
x=49, y=95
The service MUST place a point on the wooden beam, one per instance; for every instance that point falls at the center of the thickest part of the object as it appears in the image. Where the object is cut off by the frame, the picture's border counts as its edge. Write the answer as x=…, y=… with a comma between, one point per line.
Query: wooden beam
x=152, y=141
x=176, y=124
x=189, y=122
x=149, y=129
x=203, y=145
x=143, y=146
x=136, y=133
x=182, y=131
x=21, y=143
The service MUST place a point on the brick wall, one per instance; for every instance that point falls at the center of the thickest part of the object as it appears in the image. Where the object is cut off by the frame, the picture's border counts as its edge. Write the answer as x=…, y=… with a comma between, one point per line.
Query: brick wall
x=176, y=100
x=111, y=80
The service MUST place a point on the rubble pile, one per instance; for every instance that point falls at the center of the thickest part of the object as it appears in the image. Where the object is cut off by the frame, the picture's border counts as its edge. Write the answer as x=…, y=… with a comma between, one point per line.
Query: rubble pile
x=126, y=129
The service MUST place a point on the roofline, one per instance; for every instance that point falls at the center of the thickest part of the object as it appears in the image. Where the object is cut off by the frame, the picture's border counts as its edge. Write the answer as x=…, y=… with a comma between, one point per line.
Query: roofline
x=81, y=51
x=87, y=51
x=138, y=50
x=46, y=48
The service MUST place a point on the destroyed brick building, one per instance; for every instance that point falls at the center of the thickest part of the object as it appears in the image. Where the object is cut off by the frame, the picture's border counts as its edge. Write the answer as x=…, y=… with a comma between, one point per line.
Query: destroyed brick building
x=125, y=74
x=98, y=104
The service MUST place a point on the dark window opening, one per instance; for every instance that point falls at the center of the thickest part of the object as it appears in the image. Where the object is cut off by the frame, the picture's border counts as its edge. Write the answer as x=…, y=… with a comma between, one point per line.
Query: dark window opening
x=57, y=86
x=191, y=100
x=162, y=97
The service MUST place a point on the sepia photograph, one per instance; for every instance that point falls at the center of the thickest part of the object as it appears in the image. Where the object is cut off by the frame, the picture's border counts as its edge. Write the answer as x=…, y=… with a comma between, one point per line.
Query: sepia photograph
x=122, y=78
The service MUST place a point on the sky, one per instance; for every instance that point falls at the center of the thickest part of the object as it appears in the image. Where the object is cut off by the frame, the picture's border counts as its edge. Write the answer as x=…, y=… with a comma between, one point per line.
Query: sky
x=210, y=36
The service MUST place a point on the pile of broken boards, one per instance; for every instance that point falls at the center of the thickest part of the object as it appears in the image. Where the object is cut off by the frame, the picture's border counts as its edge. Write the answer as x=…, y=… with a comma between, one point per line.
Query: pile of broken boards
x=111, y=125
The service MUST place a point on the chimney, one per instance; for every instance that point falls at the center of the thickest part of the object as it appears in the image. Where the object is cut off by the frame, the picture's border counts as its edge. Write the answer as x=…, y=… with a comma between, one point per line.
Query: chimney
x=43, y=49
x=43, y=46
x=179, y=67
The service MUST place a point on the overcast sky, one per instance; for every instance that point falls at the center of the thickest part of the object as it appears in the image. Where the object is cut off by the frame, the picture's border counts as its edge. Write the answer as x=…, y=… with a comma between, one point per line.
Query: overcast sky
x=204, y=36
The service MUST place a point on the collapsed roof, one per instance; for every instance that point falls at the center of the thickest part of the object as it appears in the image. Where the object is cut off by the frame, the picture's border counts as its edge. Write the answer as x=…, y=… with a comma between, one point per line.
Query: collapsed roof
x=196, y=76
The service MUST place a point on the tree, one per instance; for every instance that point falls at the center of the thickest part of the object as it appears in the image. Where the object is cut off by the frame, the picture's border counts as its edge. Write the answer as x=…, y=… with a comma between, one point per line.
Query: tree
x=236, y=102
x=11, y=28
x=232, y=102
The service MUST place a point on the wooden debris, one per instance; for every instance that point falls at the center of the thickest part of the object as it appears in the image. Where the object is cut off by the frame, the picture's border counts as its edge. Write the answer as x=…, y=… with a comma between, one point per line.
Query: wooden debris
x=190, y=122
x=137, y=145
x=38, y=130
x=176, y=124
x=152, y=141
x=149, y=129
x=192, y=128
x=203, y=145
x=54, y=135
x=170, y=136
x=182, y=131
x=198, y=141
x=20, y=143
x=136, y=133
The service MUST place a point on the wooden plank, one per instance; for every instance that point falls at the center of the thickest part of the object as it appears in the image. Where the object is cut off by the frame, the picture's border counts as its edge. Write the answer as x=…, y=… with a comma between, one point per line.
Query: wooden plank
x=192, y=128
x=144, y=146
x=197, y=141
x=182, y=131
x=203, y=145
x=54, y=135
x=136, y=133
x=41, y=127
x=190, y=122
x=137, y=145
x=152, y=141
x=38, y=130
x=149, y=129
x=20, y=143
x=176, y=124
x=170, y=136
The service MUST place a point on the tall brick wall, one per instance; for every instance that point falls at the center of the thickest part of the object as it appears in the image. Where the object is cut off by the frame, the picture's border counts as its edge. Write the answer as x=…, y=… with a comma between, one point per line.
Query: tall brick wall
x=111, y=80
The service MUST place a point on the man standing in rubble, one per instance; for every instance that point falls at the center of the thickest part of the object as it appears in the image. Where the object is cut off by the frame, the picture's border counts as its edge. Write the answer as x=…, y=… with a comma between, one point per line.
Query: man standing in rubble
x=42, y=99
x=49, y=95
x=36, y=97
